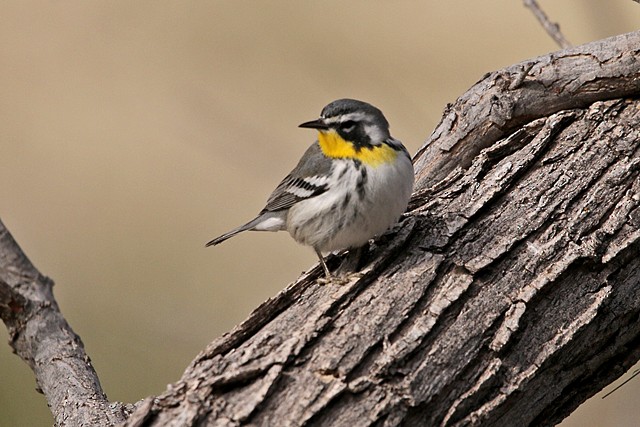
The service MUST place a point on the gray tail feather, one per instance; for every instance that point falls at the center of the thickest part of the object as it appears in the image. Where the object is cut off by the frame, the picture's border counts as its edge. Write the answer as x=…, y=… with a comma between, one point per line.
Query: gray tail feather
x=225, y=236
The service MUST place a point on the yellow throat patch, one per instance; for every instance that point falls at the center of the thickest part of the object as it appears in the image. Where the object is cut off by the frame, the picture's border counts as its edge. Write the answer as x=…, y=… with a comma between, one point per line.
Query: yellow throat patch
x=334, y=146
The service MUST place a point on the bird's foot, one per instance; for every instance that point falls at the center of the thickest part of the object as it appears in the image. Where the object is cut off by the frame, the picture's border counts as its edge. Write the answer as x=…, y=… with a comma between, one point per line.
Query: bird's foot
x=340, y=280
x=346, y=272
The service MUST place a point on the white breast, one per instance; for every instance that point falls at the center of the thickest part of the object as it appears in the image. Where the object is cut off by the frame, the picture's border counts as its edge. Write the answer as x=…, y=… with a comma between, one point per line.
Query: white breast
x=357, y=207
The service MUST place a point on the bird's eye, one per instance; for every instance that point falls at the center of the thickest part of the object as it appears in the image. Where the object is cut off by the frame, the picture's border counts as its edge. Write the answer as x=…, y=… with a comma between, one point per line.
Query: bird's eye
x=348, y=126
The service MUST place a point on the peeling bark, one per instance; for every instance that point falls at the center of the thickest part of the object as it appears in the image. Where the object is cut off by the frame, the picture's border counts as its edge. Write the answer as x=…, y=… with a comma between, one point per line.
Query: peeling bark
x=507, y=296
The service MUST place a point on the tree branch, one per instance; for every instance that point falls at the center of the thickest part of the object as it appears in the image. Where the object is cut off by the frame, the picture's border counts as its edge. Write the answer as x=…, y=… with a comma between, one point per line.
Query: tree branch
x=40, y=335
x=490, y=110
x=507, y=296
x=551, y=28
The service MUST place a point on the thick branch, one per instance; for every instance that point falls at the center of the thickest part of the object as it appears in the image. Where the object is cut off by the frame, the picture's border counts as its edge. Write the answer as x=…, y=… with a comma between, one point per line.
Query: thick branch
x=504, y=100
x=507, y=296
x=40, y=335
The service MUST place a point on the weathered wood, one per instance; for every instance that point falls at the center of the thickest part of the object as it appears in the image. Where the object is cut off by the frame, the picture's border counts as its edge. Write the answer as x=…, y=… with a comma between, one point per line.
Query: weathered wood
x=504, y=100
x=41, y=336
x=508, y=295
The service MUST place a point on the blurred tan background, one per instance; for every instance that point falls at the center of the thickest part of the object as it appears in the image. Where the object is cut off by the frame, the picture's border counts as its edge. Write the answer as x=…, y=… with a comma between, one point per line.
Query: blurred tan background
x=133, y=132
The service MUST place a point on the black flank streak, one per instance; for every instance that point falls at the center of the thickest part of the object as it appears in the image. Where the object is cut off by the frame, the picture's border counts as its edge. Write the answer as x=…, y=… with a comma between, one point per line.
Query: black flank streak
x=354, y=215
x=343, y=172
x=345, y=201
x=333, y=209
x=362, y=181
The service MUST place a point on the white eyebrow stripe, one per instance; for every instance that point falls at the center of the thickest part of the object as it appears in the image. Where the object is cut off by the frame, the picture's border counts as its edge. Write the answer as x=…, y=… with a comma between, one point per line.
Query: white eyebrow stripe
x=356, y=117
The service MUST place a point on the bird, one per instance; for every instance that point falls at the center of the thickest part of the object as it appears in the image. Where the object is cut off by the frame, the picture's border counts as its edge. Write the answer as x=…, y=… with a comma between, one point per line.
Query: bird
x=351, y=185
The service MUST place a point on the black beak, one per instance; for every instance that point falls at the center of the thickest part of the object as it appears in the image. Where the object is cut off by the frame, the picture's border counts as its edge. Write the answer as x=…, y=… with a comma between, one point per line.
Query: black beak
x=315, y=124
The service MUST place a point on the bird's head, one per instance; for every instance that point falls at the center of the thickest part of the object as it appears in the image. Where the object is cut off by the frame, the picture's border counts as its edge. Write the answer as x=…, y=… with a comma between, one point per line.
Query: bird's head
x=348, y=121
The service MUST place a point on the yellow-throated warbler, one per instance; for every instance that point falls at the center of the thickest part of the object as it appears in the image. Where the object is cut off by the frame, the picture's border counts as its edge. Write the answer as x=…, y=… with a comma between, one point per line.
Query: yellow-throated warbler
x=352, y=184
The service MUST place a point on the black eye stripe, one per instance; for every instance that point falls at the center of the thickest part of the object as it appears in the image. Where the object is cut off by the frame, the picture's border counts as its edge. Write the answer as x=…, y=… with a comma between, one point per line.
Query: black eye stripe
x=349, y=124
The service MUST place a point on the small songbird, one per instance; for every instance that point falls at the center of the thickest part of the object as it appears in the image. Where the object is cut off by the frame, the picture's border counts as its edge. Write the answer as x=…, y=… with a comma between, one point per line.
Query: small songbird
x=351, y=185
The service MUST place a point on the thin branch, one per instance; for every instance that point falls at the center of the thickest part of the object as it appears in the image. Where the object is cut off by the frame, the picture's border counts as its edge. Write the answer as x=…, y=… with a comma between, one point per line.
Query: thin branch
x=635, y=373
x=41, y=337
x=551, y=28
x=306, y=345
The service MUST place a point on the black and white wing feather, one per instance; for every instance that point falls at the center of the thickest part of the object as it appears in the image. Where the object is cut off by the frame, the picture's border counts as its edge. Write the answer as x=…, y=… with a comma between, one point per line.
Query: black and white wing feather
x=308, y=179
x=292, y=190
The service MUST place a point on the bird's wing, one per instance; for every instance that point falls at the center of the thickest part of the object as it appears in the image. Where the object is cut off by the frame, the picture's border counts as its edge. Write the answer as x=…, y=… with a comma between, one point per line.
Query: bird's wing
x=308, y=179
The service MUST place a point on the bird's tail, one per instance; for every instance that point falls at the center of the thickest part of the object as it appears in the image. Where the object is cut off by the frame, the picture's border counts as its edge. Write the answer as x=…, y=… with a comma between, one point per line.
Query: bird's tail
x=227, y=235
x=270, y=221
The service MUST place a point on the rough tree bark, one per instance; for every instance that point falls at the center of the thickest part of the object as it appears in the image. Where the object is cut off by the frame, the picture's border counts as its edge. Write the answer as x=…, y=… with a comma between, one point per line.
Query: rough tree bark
x=507, y=296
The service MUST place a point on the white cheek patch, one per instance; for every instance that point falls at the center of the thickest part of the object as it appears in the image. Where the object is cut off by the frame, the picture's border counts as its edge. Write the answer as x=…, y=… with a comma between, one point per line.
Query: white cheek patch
x=375, y=134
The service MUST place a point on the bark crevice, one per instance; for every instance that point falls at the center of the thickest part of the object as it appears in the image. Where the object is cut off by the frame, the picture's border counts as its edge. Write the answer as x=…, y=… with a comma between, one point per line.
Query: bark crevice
x=507, y=296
